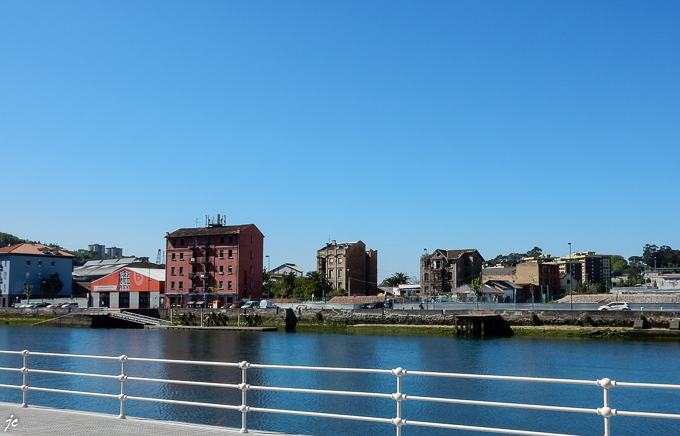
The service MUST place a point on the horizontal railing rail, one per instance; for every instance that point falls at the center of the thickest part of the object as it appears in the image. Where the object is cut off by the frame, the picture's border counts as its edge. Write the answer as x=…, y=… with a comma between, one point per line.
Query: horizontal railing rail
x=399, y=396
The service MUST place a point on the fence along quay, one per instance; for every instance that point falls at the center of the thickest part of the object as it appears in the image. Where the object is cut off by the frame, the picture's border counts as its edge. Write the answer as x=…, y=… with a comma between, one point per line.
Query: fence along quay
x=126, y=377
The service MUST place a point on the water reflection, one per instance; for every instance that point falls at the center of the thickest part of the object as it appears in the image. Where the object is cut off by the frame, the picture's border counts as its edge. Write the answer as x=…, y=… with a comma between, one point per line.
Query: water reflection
x=629, y=361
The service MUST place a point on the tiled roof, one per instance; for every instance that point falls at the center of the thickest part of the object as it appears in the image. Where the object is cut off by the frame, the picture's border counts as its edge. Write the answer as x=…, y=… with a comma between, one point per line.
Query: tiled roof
x=455, y=254
x=207, y=231
x=35, y=249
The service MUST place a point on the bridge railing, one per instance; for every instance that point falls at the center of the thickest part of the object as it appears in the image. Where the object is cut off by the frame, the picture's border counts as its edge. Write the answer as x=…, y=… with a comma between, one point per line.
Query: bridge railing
x=398, y=396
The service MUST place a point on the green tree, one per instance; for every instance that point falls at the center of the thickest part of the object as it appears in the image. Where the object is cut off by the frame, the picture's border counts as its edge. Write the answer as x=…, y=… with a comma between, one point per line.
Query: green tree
x=27, y=292
x=619, y=265
x=476, y=286
x=396, y=279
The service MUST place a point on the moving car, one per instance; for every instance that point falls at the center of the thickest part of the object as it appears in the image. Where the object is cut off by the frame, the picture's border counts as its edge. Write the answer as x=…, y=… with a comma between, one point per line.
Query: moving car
x=375, y=305
x=615, y=306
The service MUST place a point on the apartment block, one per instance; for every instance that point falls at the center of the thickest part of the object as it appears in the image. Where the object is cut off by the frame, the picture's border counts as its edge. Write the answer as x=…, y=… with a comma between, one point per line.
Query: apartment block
x=349, y=266
x=213, y=265
x=587, y=268
x=444, y=270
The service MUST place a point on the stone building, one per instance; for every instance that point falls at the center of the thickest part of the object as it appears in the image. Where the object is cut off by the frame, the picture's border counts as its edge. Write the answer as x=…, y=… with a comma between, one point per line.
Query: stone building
x=349, y=266
x=444, y=270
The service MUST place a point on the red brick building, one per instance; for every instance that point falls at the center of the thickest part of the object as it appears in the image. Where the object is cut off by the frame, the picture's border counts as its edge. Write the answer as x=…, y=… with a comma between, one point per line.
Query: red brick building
x=214, y=265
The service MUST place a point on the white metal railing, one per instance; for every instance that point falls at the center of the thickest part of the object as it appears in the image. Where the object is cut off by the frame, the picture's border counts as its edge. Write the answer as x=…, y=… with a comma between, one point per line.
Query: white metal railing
x=399, y=396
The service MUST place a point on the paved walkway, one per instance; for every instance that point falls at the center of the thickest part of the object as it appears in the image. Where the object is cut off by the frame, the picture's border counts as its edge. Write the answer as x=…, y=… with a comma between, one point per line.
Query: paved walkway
x=45, y=421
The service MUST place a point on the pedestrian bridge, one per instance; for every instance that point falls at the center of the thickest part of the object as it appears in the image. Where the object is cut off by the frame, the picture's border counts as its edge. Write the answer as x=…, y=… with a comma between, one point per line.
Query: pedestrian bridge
x=24, y=418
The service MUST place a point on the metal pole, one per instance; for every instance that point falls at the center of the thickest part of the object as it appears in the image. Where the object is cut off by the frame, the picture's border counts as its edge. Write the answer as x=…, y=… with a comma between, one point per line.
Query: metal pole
x=243, y=408
x=122, y=377
x=24, y=372
x=571, y=278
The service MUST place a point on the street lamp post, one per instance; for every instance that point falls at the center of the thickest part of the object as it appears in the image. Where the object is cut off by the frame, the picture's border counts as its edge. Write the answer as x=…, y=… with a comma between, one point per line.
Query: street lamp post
x=269, y=279
x=571, y=277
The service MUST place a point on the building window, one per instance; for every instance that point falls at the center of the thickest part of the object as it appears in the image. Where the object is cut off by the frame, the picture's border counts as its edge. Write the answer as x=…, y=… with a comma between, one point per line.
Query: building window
x=181, y=256
x=229, y=270
x=174, y=241
x=221, y=269
x=229, y=285
x=340, y=261
x=427, y=276
x=52, y=263
x=251, y=254
x=181, y=285
x=172, y=271
x=181, y=270
x=40, y=263
x=230, y=255
x=28, y=275
x=172, y=256
x=172, y=285
x=124, y=281
x=251, y=269
x=28, y=262
x=221, y=254
x=230, y=239
x=339, y=273
x=221, y=286
x=221, y=239
x=330, y=273
x=181, y=242
x=39, y=275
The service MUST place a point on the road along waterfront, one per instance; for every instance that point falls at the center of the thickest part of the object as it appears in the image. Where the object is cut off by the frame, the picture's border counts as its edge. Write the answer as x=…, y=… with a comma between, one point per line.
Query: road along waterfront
x=640, y=361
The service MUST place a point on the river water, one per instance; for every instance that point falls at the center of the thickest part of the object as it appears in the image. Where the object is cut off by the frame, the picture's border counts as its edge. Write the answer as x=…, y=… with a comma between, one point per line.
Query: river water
x=652, y=362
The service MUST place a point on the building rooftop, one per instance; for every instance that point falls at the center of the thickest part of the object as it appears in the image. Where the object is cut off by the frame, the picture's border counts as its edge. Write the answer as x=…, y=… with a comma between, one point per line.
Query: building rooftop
x=36, y=249
x=208, y=231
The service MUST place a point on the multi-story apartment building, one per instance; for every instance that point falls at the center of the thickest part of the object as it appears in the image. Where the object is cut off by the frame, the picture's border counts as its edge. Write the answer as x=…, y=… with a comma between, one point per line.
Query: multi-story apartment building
x=27, y=265
x=349, y=266
x=444, y=270
x=587, y=268
x=99, y=249
x=114, y=252
x=215, y=263
x=540, y=278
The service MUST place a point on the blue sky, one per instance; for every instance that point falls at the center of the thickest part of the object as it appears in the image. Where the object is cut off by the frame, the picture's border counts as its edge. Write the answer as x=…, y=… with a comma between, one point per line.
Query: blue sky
x=408, y=125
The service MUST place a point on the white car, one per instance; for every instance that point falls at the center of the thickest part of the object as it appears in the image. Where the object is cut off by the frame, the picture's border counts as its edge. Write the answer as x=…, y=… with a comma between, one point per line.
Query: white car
x=615, y=306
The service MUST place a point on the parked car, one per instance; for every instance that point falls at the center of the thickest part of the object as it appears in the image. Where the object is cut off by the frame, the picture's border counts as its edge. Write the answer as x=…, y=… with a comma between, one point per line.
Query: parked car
x=237, y=304
x=375, y=305
x=27, y=305
x=615, y=306
x=69, y=305
x=251, y=305
x=266, y=304
x=42, y=304
x=56, y=305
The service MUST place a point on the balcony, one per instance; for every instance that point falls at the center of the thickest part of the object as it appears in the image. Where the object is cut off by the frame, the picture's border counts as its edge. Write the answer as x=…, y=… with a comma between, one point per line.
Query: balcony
x=193, y=260
x=192, y=276
x=205, y=276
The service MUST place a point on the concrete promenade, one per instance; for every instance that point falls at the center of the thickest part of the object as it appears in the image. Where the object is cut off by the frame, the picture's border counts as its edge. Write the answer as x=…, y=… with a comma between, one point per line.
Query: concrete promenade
x=45, y=421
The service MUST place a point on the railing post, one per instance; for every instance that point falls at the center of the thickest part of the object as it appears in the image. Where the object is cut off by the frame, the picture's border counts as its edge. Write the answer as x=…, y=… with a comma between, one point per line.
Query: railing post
x=605, y=411
x=398, y=397
x=24, y=383
x=122, y=377
x=243, y=386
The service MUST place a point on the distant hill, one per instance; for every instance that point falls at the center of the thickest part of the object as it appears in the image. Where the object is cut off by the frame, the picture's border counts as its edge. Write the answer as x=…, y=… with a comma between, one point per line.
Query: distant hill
x=6, y=239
